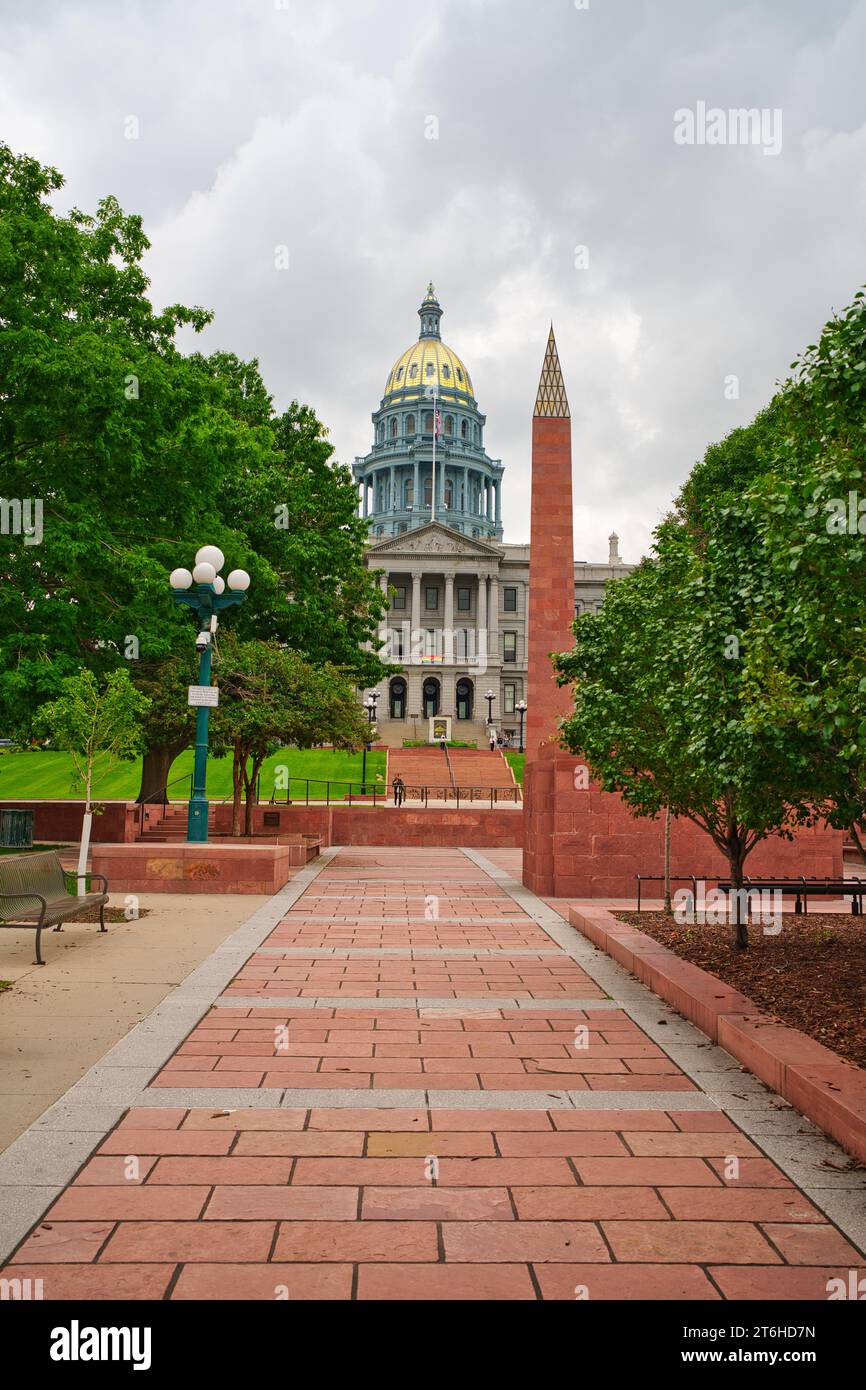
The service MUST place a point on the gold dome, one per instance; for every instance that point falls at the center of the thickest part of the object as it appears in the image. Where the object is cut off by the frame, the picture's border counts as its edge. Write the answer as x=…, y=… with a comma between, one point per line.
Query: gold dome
x=427, y=363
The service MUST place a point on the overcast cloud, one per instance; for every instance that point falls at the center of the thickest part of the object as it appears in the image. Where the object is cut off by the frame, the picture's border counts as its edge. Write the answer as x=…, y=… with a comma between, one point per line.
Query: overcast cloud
x=305, y=124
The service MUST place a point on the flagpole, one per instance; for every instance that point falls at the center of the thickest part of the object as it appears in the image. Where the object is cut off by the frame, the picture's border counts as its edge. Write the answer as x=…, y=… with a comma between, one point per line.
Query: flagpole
x=435, y=413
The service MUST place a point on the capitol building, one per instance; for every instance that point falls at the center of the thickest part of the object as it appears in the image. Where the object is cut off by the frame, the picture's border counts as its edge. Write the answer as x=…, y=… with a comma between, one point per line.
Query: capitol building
x=432, y=497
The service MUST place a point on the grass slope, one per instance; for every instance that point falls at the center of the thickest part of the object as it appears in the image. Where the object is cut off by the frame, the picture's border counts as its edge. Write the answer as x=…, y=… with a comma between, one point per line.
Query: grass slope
x=38, y=775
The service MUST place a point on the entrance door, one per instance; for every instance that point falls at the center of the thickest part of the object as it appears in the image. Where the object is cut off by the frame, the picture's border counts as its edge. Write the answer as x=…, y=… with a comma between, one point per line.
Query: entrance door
x=430, y=695
x=464, y=699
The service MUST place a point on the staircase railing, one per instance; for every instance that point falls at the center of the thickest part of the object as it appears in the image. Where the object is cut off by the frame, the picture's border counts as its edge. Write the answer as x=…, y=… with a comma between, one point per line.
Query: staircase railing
x=161, y=798
x=327, y=792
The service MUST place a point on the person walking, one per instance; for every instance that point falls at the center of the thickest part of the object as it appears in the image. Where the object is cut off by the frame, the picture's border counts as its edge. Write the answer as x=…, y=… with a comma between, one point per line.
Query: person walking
x=399, y=790
x=492, y=741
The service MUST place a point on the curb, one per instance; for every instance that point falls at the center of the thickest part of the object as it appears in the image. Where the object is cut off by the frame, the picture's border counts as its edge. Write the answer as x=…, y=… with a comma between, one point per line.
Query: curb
x=819, y=1083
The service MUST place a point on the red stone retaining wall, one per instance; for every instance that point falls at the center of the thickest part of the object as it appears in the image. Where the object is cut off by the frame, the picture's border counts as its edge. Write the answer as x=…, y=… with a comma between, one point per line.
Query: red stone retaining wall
x=369, y=825
x=61, y=820
x=817, y=1082
x=587, y=844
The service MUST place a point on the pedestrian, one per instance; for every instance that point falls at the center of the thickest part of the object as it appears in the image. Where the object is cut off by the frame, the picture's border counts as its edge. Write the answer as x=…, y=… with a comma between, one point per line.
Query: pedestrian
x=399, y=790
x=442, y=743
x=492, y=741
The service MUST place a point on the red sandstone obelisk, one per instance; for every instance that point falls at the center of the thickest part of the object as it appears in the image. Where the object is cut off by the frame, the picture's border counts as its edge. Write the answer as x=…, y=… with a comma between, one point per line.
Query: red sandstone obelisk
x=551, y=556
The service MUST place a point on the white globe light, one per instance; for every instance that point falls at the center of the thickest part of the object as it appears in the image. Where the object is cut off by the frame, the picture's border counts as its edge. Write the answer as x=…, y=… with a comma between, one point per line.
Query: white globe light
x=180, y=579
x=210, y=555
x=238, y=580
x=219, y=584
x=204, y=573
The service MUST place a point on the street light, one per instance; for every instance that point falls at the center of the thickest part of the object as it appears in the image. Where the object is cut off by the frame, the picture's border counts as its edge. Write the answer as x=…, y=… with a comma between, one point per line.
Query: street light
x=204, y=591
x=490, y=697
x=521, y=714
x=370, y=706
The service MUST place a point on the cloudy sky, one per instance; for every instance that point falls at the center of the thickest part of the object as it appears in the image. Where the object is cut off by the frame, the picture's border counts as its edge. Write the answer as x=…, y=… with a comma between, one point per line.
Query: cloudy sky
x=270, y=123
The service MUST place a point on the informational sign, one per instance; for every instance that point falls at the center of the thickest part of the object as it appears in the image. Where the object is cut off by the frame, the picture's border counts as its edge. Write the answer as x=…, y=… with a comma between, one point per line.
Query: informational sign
x=203, y=695
x=440, y=727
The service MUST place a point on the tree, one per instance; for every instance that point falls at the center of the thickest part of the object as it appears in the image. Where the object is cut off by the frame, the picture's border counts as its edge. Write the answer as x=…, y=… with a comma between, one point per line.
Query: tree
x=661, y=714
x=90, y=718
x=271, y=697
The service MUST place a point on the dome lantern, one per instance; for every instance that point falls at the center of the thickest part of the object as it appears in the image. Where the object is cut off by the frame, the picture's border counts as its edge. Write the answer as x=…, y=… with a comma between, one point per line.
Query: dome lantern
x=430, y=314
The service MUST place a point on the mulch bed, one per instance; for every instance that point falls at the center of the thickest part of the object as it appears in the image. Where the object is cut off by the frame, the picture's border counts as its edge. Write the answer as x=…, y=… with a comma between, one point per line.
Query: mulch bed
x=811, y=976
x=112, y=914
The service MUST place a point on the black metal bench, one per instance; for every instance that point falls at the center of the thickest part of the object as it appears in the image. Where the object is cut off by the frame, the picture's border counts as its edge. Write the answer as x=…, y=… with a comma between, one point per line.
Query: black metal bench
x=34, y=894
x=804, y=888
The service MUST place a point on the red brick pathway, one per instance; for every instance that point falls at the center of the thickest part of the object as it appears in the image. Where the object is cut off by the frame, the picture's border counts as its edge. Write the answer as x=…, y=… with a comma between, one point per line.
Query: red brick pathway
x=452, y=1201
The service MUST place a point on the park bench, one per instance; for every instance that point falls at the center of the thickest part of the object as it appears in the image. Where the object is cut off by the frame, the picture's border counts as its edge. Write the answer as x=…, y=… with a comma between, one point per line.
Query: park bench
x=802, y=889
x=34, y=894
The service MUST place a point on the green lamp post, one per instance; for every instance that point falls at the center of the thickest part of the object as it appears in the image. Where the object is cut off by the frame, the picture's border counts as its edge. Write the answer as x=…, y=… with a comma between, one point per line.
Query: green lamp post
x=204, y=591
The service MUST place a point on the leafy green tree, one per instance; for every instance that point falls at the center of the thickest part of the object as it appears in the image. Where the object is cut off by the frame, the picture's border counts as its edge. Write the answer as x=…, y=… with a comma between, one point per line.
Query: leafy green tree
x=660, y=711
x=90, y=718
x=271, y=697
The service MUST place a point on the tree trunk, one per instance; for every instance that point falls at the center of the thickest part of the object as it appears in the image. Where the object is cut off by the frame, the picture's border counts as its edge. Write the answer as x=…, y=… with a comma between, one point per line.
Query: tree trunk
x=156, y=765
x=250, y=788
x=237, y=789
x=667, y=859
x=740, y=917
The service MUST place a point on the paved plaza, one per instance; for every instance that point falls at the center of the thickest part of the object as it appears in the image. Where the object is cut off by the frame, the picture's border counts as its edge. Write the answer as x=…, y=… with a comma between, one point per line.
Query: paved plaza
x=406, y=1077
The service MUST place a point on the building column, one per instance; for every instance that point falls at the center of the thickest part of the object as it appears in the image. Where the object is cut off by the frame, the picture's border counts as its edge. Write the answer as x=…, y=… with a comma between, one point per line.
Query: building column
x=493, y=619
x=391, y=494
x=498, y=486
x=416, y=611
x=383, y=625
x=465, y=507
x=449, y=620
x=416, y=493
x=481, y=648
x=364, y=499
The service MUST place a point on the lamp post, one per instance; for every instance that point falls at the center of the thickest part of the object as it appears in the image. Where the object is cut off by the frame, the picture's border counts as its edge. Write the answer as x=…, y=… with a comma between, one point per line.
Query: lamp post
x=204, y=591
x=490, y=697
x=521, y=714
x=370, y=706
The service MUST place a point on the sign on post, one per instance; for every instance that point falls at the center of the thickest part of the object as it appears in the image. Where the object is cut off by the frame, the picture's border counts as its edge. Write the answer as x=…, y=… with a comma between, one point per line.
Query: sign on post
x=203, y=695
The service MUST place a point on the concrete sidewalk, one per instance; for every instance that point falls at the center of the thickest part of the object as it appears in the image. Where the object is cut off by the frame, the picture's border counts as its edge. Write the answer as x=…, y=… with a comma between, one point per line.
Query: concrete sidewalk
x=407, y=1077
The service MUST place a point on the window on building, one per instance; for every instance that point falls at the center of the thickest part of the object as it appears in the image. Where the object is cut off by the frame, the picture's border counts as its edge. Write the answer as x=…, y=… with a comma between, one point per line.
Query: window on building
x=464, y=600
x=397, y=644
x=410, y=424
x=464, y=644
x=399, y=599
x=449, y=424
x=459, y=376
x=464, y=429
x=428, y=490
x=509, y=599
x=446, y=372
x=509, y=697
x=413, y=371
x=449, y=494
x=428, y=422
x=401, y=527
x=409, y=492
x=509, y=646
x=429, y=369
x=397, y=698
x=400, y=374
x=380, y=432
x=394, y=427
x=430, y=697
x=431, y=597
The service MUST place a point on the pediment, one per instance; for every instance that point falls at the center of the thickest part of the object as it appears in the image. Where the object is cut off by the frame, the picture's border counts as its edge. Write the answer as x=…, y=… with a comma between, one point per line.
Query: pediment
x=434, y=539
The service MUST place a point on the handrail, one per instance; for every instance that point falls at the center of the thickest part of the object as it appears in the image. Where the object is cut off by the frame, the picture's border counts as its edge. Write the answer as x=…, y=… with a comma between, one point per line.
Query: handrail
x=332, y=790
x=161, y=795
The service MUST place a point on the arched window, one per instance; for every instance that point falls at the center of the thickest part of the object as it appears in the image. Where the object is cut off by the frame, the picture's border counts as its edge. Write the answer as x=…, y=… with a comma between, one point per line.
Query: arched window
x=410, y=424
x=464, y=699
x=449, y=494
x=409, y=492
x=449, y=424
x=446, y=372
x=464, y=429
x=428, y=491
x=413, y=371
x=394, y=427
x=397, y=698
x=476, y=434
x=428, y=422
x=380, y=432
x=400, y=374
x=430, y=697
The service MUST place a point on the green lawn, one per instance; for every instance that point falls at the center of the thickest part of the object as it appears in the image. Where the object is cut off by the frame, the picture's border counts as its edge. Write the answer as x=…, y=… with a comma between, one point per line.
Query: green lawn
x=50, y=775
x=515, y=762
